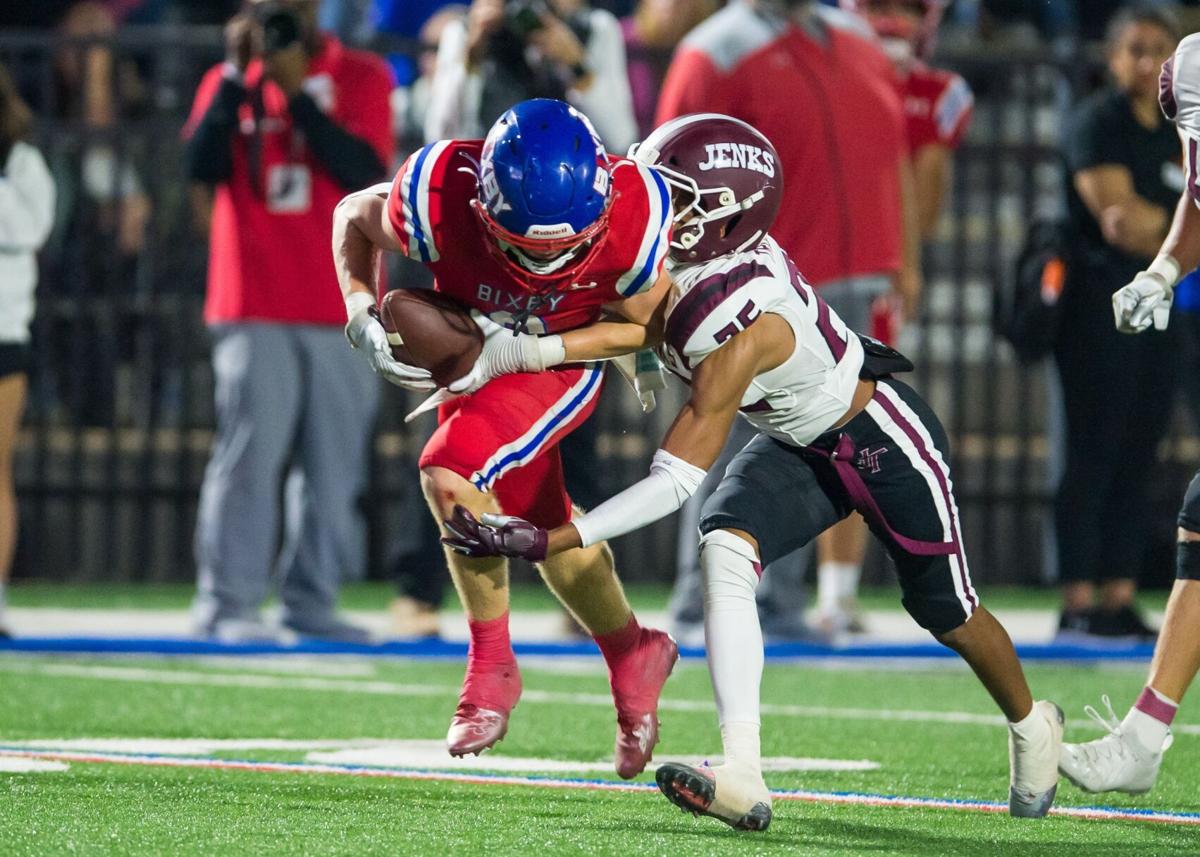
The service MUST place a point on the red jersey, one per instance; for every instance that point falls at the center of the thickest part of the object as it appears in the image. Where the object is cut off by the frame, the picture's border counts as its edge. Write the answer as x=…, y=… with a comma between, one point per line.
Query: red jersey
x=937, y=107
x=830, y=107
x=429, y=208
x=269, y=249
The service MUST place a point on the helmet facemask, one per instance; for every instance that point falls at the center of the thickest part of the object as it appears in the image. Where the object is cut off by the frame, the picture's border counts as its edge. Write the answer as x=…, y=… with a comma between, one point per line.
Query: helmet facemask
x=691, y=216
x=564, y=256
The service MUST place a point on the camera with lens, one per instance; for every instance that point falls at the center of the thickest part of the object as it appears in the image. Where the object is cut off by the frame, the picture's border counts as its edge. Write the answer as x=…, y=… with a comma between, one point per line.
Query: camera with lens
x=523, y=17
x=281, y=27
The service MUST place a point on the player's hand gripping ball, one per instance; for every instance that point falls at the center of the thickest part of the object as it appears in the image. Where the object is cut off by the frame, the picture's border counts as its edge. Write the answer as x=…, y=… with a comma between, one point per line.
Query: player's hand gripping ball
x=432, y=331
x=495, y=535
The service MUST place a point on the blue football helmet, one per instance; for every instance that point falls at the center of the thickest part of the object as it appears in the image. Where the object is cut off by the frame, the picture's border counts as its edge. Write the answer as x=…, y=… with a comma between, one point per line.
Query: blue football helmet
x=544, y=189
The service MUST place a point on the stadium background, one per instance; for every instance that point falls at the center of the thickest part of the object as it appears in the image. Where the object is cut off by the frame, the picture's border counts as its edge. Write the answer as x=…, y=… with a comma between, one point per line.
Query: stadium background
x=108, y=467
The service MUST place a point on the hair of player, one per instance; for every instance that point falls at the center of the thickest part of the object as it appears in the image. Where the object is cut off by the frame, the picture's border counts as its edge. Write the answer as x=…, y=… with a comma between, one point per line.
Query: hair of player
x=1142, y=13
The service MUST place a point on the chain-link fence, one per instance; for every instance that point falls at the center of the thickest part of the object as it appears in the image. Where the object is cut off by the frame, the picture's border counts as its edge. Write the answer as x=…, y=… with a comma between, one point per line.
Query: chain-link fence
x=120, y=416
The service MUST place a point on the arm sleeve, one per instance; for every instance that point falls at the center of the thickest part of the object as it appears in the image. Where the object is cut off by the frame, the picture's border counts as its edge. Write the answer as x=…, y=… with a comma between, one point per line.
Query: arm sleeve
x=692, y=85
x=208, y=150
x=352, y=160
x=26, y=201
x=671, y=481
x=608, y=102
x=1093, y=141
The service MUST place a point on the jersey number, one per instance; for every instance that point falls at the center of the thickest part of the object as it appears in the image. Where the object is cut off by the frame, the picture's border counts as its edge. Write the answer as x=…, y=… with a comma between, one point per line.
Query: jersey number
x=744, y=320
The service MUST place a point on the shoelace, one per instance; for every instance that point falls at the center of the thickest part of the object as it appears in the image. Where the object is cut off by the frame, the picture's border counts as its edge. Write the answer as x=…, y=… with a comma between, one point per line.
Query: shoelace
x=1111, y=744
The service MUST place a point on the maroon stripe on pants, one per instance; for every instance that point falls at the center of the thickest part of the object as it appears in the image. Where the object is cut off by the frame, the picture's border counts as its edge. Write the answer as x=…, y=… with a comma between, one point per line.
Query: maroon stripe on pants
x=923, y=450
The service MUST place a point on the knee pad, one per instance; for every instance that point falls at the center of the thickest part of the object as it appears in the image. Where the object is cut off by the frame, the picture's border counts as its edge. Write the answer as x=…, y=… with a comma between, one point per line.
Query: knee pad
x=729, y=566
x=1187, y=561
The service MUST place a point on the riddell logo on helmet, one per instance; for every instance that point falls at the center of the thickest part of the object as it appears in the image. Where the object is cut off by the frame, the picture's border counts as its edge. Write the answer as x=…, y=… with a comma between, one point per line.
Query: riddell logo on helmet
x=726, y=155
x=558, y=230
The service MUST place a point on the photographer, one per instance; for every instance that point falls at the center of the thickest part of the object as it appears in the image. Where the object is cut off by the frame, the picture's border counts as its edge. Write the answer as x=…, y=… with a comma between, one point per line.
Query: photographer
x=510, y=50
x=280, y=131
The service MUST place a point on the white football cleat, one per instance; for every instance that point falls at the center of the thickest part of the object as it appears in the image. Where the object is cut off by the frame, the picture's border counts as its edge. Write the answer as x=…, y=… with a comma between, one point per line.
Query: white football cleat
x=735, y=794
x=1034, y=765
x=1117, y=762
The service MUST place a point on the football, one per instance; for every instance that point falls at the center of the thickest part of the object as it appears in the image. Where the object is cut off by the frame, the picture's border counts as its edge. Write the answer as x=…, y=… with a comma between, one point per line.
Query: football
x=430, y=330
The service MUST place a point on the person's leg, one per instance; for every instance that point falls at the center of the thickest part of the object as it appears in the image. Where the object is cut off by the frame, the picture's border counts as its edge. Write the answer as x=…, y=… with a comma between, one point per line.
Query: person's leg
x=585, y=581
x=1145, y=418
x=475, y=458
x=769, y=503
x=12, y=401
x=1128, y=758
x=324, y=534
x=841, y=549
x=1091, y=448
x=686, y=606
x=911, y=487
x=257, y=382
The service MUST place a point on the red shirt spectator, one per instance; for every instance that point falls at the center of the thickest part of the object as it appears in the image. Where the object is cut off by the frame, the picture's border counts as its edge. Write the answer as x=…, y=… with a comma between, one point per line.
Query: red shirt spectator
x=938, y=106
x=826, y=96
x=269, y=249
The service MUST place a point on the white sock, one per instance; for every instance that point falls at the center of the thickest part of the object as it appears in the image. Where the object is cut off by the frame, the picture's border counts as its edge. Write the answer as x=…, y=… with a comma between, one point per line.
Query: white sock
x=1150, y=731
x=1033, y=728
x=734, y=640
x=741, y=746
x=837, y=582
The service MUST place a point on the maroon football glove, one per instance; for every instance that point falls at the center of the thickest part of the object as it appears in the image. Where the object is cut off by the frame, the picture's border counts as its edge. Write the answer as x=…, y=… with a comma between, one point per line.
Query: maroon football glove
x=495, y=535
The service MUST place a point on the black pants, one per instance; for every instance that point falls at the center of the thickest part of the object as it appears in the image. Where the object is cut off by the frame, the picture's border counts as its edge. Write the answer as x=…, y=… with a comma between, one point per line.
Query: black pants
x=785, y=496
x=1117, y=392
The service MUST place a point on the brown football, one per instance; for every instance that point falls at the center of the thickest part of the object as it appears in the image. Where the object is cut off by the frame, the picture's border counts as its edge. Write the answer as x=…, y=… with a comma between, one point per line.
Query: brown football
x=430, y=330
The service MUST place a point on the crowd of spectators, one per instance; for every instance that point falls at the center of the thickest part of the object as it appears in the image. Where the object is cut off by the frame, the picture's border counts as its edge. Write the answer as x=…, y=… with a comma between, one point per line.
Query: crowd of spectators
x=280, y=130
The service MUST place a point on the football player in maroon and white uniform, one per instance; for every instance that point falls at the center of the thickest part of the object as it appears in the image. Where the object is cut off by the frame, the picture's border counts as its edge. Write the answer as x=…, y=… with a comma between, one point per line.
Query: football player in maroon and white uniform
x=837, y=433
x=535, y=228
x=1129, y=756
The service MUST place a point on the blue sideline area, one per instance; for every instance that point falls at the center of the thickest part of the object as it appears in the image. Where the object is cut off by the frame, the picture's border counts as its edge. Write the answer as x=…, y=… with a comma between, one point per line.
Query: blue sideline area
x=434, y=648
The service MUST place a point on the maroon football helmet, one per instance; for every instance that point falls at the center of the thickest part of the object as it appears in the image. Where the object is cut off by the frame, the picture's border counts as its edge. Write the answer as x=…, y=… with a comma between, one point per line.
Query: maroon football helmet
x=726, y=183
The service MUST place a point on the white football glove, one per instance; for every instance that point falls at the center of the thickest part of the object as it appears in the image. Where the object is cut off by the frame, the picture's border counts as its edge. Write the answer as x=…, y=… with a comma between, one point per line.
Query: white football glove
x=1145, y=301
x=367, y=335
x=505, y=354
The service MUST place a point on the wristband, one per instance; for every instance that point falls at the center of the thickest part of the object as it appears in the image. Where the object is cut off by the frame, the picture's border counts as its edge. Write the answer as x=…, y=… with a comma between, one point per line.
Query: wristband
x=1165, y=266
x=550, y=351
x=356, y=302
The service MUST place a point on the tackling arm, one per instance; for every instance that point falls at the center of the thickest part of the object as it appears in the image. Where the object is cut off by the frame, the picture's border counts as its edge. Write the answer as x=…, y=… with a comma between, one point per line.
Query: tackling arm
x=691, y=446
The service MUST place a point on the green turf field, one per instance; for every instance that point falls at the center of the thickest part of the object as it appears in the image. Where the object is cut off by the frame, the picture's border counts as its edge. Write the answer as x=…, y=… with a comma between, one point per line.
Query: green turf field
x=128, y=809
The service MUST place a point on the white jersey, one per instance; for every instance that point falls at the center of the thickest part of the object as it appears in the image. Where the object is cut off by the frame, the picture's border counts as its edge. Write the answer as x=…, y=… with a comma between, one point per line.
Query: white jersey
x=712, y=302
x=1179, y=95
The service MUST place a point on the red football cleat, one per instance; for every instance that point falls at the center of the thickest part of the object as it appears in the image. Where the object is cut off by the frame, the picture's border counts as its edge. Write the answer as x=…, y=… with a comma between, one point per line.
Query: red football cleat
x=489, y=694
x=637, y=680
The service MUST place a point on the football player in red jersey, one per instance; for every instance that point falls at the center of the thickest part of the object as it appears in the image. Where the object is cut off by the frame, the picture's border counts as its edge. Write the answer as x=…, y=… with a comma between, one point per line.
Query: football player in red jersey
x=539, y=230
x=937, y=103
x=837, y=433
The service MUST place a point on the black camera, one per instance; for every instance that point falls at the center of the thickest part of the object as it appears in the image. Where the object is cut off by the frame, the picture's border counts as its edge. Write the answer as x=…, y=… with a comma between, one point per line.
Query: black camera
x=281, y=26
x=523, y=17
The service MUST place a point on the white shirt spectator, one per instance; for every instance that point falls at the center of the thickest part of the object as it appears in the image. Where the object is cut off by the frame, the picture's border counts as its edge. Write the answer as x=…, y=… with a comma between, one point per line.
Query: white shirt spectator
x=456, y=92
x=26, y=215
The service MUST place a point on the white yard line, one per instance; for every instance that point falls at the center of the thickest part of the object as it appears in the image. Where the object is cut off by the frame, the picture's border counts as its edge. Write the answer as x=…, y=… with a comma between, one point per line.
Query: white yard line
x=479, y=778
x=386, y=688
